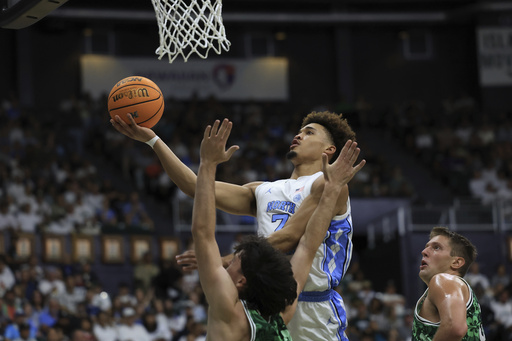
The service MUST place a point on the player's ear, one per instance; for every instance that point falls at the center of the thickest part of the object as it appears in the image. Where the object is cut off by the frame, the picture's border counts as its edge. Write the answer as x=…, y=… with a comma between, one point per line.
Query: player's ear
x=330, y=150
x=240, y=283
x=458, y=262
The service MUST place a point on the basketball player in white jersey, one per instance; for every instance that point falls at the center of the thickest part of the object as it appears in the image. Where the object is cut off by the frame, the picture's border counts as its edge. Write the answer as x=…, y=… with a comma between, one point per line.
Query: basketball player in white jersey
x=320, y=313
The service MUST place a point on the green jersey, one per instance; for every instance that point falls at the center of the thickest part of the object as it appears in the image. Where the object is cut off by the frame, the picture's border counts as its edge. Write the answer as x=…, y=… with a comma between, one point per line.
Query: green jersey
x=424, y=330
x=262, y=330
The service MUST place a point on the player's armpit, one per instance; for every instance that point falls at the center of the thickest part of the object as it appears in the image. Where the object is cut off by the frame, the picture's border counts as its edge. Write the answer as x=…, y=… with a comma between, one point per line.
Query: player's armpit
x=236, y=199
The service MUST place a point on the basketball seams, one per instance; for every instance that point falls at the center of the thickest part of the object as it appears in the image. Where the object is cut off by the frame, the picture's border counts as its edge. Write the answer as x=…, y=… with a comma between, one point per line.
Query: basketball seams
x=159, y=111
x=132, y=104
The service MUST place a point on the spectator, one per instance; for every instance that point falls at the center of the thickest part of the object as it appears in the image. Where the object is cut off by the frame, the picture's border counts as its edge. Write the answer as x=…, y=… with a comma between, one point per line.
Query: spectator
x=12, y=331
x=197, y=301
x=378, y=320
x=486, y=133
x=392, y=299
x=405, y=330
x=366, y=294
x=106, y=214
x=8, y=221
x=99, y=300
x=475, y=277
x=175, y=318
x=7, y=278
x=50, y=315
x=144, y=300
x=82, y=335
x=37, y=307
x=55, y=334
x=135, y=214
x=84, y=214
x=24, y=333
x=145, y=272
x=195, y=331
x=67, y=224
x=27, y=281
x=104, y=328
x=29, y=221
x=86, y=328
x=52, y=284
x=361, y=321
x=500, y=277
x=398, y=185
x=125, y=297
x=464, y=130
x=15, y=187
x=157, y=330
x=9, y=305
x=36, y=269
x=128, y=330
x=93, y=195
x=72, y=295
x=88, y=276
x=501, y=307
x=394, y=335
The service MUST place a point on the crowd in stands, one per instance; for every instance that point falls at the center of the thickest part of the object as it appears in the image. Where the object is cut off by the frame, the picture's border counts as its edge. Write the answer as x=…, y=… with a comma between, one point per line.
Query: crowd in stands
x=62, y=302
x=470, y=152
x=47, y=185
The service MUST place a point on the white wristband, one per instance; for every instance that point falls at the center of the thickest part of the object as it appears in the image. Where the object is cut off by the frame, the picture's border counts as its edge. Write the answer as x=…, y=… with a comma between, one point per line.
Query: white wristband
x=152, y=142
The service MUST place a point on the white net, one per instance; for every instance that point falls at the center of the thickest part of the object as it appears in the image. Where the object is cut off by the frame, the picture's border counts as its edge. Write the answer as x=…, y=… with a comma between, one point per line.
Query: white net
x=190, y=26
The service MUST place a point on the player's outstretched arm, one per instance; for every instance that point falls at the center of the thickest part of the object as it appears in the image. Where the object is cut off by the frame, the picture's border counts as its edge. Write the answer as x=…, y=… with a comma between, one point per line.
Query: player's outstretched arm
x=216, y=282
x=231, y=198
x=336, y=177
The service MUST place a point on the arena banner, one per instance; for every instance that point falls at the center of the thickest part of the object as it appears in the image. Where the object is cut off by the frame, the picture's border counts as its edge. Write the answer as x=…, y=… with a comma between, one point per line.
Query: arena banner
x=227, y=79
x=495, y=55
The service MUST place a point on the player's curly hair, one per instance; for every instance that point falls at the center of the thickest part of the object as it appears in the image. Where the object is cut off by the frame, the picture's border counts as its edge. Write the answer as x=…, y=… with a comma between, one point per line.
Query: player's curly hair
x=337, y=127
x=461, y=247
x=270, y=285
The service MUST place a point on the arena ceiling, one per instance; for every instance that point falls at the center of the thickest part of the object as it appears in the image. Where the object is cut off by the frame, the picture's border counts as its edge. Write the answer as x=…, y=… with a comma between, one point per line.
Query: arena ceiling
x=261, y=11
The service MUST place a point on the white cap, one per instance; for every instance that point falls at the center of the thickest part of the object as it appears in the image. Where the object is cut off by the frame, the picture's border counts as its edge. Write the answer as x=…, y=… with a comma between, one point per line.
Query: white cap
x=128, y=311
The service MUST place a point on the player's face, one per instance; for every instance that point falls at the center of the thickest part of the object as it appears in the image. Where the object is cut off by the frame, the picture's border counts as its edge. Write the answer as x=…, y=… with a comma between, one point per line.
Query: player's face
x=310, y=142
x=436, y=258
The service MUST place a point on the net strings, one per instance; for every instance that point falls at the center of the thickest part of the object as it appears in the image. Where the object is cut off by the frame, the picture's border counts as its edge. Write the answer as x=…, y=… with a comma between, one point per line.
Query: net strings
x=188, y=27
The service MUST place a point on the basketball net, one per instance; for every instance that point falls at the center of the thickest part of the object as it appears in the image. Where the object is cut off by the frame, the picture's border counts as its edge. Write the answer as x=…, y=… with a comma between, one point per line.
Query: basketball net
x=189, y=26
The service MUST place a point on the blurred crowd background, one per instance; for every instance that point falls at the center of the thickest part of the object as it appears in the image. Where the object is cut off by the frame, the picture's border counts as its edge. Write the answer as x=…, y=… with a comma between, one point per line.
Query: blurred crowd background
x=408, y=76
x=94, y=179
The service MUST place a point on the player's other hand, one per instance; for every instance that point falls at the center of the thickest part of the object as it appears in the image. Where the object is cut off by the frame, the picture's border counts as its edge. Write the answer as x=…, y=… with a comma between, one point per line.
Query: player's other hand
x=213, y=147
x=341, y=171
x=187, y=260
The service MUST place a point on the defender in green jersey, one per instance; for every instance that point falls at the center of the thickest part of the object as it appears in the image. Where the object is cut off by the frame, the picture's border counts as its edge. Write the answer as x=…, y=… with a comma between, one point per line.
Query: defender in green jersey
x=448, y=310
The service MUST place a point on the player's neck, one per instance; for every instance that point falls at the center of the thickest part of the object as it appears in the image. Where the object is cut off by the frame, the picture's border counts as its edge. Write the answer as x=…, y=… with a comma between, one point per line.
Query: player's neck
x=304, y=169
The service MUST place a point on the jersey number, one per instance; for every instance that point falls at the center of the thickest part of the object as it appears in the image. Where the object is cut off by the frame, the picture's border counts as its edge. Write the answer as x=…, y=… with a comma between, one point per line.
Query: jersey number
x=282, y=217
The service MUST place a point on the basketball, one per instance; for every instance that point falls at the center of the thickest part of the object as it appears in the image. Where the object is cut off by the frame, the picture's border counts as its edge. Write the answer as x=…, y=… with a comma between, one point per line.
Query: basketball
x=138, y=96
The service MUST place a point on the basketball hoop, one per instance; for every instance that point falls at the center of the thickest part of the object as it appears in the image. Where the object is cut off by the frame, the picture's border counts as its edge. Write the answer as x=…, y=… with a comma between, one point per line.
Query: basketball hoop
x=190, y=26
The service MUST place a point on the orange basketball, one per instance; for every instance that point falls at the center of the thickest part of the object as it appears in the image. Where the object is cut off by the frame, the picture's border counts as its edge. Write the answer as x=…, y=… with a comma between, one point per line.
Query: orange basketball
x=138, y=96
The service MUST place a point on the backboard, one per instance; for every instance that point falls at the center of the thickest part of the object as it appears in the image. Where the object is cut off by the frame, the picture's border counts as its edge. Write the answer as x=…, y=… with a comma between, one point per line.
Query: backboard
x=17, y=14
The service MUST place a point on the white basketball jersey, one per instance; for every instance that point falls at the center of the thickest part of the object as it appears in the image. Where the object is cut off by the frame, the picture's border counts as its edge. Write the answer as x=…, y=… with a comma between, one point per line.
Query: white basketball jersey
x=277, y=201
